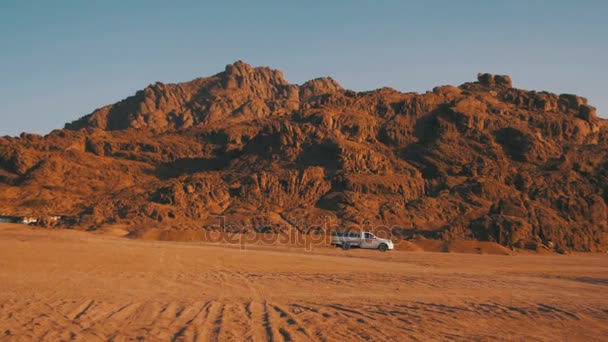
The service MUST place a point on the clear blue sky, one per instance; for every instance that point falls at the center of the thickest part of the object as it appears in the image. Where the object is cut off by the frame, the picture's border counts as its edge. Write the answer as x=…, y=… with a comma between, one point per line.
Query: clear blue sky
x=60, y=60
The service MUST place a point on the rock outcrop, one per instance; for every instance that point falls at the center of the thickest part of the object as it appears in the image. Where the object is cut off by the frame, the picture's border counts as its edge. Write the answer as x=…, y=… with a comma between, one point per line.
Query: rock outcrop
x=492, y=81
x=483, y=160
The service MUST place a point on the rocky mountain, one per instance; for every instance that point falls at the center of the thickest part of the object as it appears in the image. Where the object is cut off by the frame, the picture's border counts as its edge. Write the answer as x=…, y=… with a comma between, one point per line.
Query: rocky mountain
x=481, y=161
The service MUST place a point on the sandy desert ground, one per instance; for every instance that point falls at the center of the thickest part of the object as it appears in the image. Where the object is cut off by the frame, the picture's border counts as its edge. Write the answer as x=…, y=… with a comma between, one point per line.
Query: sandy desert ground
x=69, y=285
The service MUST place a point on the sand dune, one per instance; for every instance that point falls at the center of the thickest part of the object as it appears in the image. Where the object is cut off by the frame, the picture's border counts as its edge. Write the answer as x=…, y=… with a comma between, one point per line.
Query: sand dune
x=68, y=285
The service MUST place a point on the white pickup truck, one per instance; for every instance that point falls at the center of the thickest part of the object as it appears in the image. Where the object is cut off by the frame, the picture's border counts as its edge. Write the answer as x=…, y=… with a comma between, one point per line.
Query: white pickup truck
x=361, y=240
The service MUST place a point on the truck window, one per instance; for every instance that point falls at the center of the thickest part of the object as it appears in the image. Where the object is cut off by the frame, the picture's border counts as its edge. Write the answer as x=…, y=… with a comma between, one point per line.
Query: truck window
x=368, y=236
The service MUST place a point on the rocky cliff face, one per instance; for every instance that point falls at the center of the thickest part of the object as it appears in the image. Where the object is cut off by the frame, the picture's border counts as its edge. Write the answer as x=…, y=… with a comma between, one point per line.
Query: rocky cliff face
x=482, y=160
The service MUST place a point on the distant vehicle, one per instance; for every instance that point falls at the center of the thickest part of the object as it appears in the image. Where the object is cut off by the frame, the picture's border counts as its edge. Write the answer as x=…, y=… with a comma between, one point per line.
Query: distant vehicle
x=361, y=240
x=28, y=220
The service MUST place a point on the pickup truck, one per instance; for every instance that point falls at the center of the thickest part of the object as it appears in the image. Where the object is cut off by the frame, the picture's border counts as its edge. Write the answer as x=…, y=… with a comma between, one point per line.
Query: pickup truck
x=361, y=240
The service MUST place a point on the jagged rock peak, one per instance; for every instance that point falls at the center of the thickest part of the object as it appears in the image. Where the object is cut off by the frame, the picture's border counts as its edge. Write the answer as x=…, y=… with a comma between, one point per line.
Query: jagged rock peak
x=319, y=86
x=240, y=73
x=324, y=82
x=492, y=81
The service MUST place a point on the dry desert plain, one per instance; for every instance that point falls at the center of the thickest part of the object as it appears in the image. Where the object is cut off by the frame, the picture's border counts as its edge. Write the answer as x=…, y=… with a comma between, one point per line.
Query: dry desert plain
x=71, y=285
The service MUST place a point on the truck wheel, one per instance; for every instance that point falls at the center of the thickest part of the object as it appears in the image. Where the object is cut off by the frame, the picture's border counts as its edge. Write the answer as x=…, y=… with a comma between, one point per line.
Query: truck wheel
x=383, y=247
x=345, y=246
